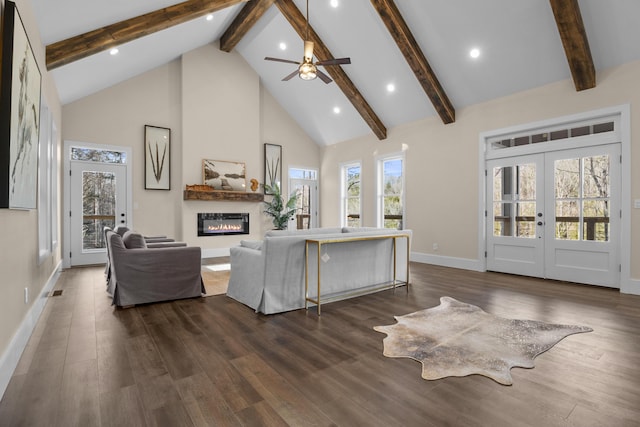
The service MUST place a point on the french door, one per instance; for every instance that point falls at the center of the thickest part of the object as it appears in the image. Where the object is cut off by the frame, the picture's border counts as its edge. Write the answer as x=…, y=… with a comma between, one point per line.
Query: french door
x=98, y=199
x=556, y=215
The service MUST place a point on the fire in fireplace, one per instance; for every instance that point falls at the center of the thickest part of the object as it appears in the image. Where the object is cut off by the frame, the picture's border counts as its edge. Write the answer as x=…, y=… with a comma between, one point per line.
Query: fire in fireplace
x=221, y=224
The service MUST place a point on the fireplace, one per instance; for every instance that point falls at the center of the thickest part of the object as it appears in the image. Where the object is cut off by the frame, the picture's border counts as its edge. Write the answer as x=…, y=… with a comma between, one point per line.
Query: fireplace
x=222, y=224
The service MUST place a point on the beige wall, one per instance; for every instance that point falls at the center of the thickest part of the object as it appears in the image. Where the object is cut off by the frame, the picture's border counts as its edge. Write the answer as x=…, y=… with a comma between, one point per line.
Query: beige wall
x=117, y=116
x=442, y=160
x=19, y=268
x=216, y=109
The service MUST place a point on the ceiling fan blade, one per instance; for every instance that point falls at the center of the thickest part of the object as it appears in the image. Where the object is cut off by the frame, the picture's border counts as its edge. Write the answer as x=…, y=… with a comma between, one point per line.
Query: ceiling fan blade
x=337, y=61
x=290, y=76
x=288, y=61
x=323, y=77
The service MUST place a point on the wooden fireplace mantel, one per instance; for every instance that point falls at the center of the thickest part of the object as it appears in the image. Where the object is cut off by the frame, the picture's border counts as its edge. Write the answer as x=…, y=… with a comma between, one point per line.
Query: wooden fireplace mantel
x=222, y=196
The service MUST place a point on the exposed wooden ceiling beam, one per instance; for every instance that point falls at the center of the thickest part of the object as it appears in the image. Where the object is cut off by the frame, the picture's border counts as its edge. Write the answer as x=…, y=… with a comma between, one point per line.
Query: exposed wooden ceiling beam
x=322, y=53
x=246, y=19
x=83, y=45
x=418, y=63
x=575, y=42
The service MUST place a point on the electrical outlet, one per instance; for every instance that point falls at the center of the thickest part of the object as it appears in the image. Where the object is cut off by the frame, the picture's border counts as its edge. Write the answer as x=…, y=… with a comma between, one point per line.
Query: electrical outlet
x=435, y=246
x=26, y=295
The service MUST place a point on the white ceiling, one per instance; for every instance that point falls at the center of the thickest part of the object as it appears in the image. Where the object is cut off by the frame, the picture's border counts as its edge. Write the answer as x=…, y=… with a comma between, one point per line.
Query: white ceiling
x=519, y=42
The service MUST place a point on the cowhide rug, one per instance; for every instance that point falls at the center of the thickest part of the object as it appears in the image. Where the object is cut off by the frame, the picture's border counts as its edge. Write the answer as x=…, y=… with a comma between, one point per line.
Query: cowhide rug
x=458, y=339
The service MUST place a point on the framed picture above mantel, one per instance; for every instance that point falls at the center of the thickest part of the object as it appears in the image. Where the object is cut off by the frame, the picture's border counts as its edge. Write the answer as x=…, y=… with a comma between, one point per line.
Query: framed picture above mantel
x=223, y=175
x=157, y=158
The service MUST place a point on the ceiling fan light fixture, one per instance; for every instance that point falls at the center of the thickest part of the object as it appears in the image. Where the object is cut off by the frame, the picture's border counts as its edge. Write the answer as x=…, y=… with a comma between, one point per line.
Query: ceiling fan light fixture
x=307, y=71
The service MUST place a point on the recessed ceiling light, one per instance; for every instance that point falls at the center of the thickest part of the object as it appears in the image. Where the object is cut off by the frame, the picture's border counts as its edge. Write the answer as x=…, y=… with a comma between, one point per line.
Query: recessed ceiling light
x=283, y=46
x=114, y=51
x=209, y=17
x=391, y=87
x=336, y=110
x=334, y=3
x=474, y=53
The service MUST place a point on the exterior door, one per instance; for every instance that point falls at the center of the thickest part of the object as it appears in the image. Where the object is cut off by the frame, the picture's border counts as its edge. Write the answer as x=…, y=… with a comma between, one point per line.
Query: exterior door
x=515, y=207
x=307, y=208
x=583, y=225
x=98, y=199
x=556, y=215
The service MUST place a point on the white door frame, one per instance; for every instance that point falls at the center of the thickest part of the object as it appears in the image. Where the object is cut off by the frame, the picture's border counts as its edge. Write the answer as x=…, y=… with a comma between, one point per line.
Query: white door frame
x=623, y=135
x=66, y=208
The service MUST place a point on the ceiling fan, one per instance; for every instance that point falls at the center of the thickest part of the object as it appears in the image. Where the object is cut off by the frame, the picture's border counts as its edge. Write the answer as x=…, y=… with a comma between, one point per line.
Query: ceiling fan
x=307, y=69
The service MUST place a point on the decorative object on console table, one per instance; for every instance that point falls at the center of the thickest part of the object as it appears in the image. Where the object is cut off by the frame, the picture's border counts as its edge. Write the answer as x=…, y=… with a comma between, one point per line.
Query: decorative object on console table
x=223, y=175
x=157, y=163
x=272, y=166
x=19, y=115
x=276, y=208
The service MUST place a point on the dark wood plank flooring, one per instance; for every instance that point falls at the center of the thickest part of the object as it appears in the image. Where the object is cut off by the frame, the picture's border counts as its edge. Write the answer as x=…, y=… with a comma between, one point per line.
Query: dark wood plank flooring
x=214, y=362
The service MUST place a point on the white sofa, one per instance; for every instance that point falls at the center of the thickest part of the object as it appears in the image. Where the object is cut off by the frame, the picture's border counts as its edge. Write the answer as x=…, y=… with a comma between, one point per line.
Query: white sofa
x=269, y=275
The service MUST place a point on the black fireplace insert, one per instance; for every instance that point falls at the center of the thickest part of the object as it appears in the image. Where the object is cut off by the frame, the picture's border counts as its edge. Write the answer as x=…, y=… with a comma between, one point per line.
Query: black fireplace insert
x=222, y=224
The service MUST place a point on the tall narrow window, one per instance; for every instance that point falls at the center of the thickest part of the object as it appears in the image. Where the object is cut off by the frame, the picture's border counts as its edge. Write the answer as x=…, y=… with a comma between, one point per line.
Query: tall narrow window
x=351, y=195
x=47, y=186
x=390, y=192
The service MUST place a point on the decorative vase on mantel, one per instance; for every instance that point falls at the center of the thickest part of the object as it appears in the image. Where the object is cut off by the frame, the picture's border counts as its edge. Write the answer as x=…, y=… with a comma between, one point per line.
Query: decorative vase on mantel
x=279, y=211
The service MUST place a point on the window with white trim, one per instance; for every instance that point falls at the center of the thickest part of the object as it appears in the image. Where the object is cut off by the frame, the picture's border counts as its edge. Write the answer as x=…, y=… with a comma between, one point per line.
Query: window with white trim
x=47, y=186
x=351, y=195
x=391, y=192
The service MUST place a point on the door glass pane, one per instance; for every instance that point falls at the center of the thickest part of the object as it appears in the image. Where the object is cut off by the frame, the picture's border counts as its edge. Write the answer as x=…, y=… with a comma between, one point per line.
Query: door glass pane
x=498, y=184
x=303, y=205
x=596, y=176
x=526, y=219
x=527, y=182
x=596, y=220
x=567, y=220
x=567, y=176
x=98, y=207
x=502, y=222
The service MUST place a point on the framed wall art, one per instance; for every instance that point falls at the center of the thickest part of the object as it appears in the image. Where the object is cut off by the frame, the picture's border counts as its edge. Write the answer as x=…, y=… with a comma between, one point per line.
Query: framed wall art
x=272, y=166
x=157, y=159
x=224, y=176
x=19, y=115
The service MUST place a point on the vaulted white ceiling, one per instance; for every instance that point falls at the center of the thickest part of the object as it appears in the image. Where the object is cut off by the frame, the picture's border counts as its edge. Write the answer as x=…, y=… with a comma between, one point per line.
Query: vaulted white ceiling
x=519, y=43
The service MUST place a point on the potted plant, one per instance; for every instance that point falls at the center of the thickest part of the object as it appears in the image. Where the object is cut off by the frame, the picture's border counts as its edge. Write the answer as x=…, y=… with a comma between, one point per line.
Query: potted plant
x=279, y=211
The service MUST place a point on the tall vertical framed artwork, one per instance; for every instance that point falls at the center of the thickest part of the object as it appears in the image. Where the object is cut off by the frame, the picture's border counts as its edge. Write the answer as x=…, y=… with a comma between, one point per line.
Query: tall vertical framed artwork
x=20, y=82
x=157, y=163
x=272, y=166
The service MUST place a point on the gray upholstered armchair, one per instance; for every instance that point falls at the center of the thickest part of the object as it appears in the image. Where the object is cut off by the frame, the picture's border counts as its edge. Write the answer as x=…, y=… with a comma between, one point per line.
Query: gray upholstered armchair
x=141, y=275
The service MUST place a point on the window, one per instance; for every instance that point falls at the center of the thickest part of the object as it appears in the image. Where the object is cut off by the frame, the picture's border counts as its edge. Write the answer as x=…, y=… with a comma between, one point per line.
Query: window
x=391, y=192
x=351, y=195
x=48, y=186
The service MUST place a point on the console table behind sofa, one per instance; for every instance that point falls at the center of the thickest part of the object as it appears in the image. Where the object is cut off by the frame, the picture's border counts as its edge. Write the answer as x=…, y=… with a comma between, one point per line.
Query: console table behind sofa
x=269, y=275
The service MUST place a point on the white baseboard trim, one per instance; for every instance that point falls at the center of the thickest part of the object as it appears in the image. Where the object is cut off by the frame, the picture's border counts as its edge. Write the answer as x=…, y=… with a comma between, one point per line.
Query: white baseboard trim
x=11, y=356
x=215, y=252
x=631, y=286
x=446, y=261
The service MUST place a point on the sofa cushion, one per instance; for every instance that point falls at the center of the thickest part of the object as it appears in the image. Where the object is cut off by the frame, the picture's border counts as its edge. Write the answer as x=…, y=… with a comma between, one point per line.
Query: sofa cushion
x=133, y=240
x=251, y=244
